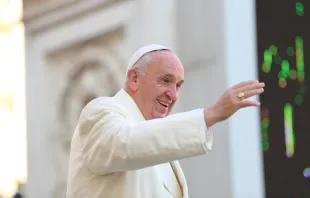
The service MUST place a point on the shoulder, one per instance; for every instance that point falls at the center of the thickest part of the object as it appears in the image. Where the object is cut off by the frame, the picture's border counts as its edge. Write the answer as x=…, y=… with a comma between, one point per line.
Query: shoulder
x=102, y=101
x=101, y=104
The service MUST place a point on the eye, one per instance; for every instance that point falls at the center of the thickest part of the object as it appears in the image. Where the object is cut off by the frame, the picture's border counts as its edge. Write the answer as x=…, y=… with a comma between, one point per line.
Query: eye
x=166, y=80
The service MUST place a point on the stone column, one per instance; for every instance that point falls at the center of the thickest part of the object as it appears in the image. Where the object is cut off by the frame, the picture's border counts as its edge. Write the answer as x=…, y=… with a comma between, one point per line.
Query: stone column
x=152, y=22
x=217, y=45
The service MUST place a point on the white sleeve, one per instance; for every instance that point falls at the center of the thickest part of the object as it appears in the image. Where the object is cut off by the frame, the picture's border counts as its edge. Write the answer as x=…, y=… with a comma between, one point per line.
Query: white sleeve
x=111, y=142
x=209, y=137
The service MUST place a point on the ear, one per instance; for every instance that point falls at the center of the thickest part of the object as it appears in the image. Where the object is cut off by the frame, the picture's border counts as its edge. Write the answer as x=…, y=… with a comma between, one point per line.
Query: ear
x=132, y=79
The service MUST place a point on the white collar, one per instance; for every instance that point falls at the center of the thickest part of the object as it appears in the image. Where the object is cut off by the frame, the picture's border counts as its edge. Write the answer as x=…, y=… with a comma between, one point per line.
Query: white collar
x=129, y=104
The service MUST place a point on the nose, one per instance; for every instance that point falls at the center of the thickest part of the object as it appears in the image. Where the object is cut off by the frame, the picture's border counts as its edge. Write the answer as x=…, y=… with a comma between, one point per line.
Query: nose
x=172, y=93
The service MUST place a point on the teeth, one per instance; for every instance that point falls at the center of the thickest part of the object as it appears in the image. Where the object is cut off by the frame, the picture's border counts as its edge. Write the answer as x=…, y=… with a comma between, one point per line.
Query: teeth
x=163, y=103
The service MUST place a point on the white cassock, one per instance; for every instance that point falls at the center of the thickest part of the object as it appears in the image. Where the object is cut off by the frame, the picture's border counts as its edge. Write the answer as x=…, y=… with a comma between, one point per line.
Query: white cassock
x=116, y=153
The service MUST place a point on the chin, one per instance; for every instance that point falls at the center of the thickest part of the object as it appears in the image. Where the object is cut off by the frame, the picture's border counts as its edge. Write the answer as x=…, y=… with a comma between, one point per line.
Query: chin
x=160, y=116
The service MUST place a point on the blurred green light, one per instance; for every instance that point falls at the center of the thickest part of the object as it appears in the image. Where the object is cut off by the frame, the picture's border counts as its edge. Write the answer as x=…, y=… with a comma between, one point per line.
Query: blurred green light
x=267, y=57
x=299, y=41
x=265, y=123
x=273, y=49
x=282, y=82
x=285, y=67
x=264, y=127
x=293, y=74
x=301, y=76
x=266, y=67
x=299, y=9
x=290, y=51
x=289, y=131
x=300, y=59
x=265, y=145
x=282, y=75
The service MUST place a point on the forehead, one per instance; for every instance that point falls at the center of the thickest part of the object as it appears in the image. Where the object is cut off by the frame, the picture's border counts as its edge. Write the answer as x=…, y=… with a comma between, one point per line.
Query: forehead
x=166, y=63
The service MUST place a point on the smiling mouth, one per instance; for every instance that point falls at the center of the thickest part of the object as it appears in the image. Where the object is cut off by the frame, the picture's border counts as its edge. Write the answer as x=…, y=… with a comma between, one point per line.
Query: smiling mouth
x=164, y=104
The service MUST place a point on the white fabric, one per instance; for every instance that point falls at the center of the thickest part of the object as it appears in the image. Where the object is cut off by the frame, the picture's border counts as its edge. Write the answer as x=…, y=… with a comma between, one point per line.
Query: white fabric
x=116, y=153
x=142, y=51
x=168, y=176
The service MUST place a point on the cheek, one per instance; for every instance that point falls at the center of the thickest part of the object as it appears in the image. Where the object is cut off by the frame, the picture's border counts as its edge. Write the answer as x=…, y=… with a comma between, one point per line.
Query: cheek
x=147, y=92
x=151, y=90
x=160, y=92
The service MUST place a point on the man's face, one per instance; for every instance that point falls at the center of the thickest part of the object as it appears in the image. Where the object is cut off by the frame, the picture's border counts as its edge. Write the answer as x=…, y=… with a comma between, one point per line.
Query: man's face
x=158, y=85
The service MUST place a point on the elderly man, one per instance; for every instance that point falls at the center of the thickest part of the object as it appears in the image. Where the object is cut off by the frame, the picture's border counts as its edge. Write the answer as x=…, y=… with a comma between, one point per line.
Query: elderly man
x=127, y=146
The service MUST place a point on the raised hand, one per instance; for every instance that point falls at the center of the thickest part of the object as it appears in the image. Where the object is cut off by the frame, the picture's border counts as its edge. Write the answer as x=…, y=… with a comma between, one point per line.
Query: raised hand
x=232, y=100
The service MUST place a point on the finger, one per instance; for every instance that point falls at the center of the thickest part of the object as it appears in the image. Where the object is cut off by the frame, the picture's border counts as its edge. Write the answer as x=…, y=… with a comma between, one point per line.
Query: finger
x=253, y=92
x=250, y=87
x=249, y=103
x=244, y=83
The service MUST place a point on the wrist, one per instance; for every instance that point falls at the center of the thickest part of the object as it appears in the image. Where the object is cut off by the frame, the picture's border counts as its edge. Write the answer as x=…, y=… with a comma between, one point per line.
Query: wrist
x=210, y=117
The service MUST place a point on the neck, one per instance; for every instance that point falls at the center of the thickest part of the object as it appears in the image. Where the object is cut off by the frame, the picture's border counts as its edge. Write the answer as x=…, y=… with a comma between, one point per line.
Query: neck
x=129, y=92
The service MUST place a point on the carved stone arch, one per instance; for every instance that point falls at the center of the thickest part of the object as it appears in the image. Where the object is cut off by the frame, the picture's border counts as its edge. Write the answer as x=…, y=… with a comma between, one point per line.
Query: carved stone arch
x=96, y=73
x=112, y=59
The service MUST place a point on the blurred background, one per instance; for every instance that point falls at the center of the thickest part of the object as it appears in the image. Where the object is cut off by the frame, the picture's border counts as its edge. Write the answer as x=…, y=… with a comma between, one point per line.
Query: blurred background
x=57, y=55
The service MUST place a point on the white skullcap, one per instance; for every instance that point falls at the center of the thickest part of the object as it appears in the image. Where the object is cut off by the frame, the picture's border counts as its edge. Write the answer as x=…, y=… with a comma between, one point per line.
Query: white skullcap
x=142, y=51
